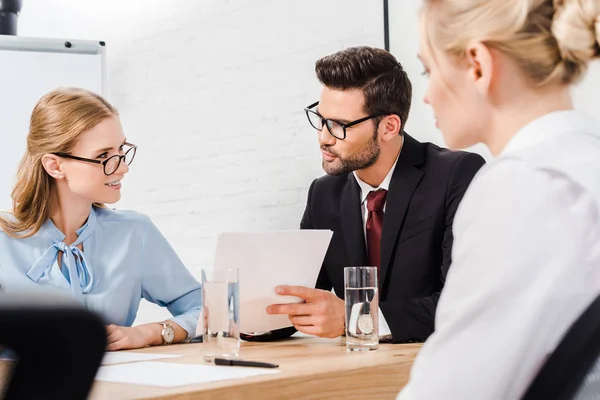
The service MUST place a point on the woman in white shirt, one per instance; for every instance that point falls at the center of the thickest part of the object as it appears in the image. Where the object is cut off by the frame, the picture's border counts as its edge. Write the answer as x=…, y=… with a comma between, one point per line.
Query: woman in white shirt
x=526, y=256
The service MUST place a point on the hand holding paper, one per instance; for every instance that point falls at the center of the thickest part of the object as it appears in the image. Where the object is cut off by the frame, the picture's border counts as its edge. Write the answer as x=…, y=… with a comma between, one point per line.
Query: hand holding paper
x=322, y=314
x=267, y=260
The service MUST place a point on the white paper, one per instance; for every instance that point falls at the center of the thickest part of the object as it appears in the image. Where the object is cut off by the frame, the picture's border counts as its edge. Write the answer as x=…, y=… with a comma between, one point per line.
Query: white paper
x=118, y=357
x=170, y=374
x=266, y=260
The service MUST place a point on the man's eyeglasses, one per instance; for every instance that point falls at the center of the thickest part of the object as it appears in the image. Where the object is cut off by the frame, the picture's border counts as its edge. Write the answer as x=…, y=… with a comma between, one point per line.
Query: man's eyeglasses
x=111, y=164
x=335, y=128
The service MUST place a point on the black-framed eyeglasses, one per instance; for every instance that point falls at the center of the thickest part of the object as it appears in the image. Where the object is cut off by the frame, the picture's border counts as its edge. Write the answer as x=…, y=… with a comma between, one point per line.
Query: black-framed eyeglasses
x=111, y=164
x=337, y=129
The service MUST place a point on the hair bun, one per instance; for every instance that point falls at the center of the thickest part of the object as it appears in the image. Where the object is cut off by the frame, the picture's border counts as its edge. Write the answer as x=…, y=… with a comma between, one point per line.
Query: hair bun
x=576, y=27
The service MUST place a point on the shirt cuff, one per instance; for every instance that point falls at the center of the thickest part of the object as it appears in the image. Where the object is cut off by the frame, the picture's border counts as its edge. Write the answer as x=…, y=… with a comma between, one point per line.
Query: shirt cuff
x=384, y=328
x=188, y=323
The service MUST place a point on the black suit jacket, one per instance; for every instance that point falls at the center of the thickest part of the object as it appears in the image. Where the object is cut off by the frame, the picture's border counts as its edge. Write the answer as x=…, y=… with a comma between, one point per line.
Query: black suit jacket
x=425, y=191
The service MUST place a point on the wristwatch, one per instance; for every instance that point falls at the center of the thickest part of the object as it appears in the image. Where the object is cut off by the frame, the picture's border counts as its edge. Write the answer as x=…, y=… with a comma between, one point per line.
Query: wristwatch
x=168, y=333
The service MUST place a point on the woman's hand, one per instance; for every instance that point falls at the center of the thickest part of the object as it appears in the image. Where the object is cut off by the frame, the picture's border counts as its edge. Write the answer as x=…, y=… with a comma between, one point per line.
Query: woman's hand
x=123, y=338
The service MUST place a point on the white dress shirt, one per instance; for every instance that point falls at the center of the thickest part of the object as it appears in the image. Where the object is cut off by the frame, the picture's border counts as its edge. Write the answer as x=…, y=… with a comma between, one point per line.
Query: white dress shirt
x=526, y=263
x=365, y=189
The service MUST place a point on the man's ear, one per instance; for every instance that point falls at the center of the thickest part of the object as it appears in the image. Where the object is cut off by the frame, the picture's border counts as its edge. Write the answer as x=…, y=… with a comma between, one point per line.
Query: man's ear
x=390, y=126
x=52, y=165
x=481, y=66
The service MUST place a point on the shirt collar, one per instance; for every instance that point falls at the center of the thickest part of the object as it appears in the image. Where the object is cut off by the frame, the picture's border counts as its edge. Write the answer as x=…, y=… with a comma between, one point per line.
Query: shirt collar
x=549, y=126
x=365, y=188
x=85, y=230
x=75, y=267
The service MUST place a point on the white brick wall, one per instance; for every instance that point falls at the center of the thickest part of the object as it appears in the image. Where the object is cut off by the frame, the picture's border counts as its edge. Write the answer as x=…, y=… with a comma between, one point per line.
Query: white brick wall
x=212, y=91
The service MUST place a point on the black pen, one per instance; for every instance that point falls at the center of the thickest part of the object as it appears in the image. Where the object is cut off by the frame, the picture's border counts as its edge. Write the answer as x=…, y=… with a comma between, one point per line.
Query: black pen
x=243, y=363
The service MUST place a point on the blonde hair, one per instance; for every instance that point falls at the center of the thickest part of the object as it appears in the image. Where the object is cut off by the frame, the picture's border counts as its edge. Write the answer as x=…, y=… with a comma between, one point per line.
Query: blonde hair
x=551, y=41
x=57, y=121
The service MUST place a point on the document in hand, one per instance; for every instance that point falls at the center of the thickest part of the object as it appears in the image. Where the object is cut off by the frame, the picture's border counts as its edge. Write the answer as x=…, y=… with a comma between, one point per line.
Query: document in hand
x=266, y=260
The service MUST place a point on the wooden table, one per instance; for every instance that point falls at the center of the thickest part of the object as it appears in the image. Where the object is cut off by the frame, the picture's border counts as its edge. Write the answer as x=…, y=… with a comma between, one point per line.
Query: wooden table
x=311, y=368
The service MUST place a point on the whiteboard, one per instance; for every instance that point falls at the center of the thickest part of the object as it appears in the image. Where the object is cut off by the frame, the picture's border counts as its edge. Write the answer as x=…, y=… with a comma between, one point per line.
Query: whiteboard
x=404, y=45
x=29, y=68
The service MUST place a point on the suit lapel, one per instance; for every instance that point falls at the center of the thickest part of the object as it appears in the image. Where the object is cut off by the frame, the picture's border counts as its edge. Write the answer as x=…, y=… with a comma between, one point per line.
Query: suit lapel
x=405, y=180
x=352, y=223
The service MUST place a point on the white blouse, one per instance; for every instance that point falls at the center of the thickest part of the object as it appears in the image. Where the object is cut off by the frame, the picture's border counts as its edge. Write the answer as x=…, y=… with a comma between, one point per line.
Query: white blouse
x=526, y=263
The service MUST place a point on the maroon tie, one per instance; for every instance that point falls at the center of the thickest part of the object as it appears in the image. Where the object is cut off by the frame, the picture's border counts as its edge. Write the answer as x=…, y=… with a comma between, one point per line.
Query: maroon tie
x=375, y=202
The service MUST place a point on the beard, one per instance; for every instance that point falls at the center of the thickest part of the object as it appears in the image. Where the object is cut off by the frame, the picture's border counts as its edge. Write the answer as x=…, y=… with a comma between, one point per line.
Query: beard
x=362, y=158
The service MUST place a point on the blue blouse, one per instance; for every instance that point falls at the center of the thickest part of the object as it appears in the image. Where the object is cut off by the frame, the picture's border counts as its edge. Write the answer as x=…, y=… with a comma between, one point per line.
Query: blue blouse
x=124, y=258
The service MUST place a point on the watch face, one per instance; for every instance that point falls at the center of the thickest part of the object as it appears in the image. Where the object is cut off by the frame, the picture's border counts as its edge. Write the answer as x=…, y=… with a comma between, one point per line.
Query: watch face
x=168, y=334
x=365, y=324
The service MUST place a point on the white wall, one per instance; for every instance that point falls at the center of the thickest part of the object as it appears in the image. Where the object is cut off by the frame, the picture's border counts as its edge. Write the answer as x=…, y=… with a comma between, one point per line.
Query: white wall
x=404, y=44
x=213, y=93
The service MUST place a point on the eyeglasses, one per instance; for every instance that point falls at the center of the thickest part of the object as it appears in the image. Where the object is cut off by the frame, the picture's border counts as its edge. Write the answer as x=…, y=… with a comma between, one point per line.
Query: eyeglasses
x=335, y=128
x=111, y=164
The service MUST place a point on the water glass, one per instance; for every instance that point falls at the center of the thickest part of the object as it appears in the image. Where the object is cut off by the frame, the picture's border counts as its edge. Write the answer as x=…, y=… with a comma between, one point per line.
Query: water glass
x=221, y=314
x=362, y=308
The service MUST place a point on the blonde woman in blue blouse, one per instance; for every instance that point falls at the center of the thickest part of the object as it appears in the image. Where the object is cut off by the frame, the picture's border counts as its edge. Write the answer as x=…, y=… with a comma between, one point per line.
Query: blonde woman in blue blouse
x=61, y=237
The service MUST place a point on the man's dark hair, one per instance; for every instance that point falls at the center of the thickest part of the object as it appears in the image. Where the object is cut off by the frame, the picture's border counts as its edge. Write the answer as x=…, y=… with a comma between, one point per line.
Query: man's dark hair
x=376, y=72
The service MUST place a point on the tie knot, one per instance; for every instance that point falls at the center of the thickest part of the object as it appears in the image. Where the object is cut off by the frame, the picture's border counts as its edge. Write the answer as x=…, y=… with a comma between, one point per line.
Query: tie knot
x=62, y=246
x=376, y=200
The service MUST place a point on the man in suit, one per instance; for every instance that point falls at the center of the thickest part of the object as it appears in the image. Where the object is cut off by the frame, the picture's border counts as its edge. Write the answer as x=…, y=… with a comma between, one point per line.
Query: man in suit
x=389, y=200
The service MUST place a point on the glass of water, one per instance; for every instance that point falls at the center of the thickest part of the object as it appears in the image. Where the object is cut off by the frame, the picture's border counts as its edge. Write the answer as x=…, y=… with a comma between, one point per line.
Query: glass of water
x=362, y=308
x=221, y=299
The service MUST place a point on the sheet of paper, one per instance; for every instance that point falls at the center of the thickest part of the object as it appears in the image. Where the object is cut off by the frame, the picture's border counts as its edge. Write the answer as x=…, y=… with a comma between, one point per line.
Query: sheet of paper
x=110, y=357
x=266, y=260
x=118, y=357
x=170, y=374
